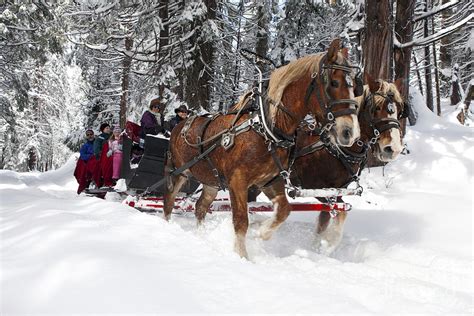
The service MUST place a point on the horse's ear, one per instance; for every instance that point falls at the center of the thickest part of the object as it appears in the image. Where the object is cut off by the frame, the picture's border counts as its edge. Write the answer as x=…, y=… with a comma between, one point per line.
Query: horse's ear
x=345, y=52
x=374, y=86
x=333, y=50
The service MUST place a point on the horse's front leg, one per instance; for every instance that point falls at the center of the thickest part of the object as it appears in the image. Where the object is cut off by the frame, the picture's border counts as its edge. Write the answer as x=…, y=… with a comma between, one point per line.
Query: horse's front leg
x=330, y=233
x=238, y=197
x=276, y=193
x=202, y=205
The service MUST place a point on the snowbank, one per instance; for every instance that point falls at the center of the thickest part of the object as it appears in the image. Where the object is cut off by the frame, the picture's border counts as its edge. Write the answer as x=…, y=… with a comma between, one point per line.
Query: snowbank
x=407, y=247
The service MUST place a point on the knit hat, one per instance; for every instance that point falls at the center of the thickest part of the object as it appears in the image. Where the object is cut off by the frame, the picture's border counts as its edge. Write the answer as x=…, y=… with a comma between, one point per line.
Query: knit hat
x=103, y=126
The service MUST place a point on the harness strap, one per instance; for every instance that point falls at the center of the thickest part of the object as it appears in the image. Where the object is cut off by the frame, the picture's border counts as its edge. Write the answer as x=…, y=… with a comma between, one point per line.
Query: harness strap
x=311, y=148
x=203, y=129
x=180, y=170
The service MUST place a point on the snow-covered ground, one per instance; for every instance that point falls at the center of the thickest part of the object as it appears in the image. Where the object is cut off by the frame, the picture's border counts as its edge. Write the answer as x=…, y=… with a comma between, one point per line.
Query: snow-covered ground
x=407, y=246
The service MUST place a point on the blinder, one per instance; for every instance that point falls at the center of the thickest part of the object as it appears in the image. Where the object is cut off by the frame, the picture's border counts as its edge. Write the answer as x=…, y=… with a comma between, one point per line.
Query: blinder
x=405, y=112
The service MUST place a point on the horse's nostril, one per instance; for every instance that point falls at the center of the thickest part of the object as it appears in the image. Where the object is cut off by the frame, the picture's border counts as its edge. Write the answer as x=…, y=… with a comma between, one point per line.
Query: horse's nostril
x=388, y=149
x=347, y=133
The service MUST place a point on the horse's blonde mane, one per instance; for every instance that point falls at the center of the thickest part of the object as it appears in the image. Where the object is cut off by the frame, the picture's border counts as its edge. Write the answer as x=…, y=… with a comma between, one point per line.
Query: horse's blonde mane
x=284, y=76
x=385, y=87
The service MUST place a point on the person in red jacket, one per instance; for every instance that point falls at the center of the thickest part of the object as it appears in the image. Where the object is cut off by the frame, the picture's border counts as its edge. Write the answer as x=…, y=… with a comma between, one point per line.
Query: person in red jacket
x=86, y=164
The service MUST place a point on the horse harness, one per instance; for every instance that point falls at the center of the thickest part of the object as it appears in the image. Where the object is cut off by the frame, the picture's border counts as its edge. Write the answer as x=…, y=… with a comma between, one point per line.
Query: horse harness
x=322, y=77
x=258, y=121
x=347, y=156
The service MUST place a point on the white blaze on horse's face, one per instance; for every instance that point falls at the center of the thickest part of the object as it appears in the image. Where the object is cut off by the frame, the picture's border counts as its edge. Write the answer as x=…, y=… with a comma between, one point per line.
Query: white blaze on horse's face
x=389, y=147
x=346, y=129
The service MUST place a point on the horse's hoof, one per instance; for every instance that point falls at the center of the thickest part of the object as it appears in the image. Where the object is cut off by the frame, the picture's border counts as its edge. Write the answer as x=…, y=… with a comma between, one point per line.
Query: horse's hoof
x=265, y=234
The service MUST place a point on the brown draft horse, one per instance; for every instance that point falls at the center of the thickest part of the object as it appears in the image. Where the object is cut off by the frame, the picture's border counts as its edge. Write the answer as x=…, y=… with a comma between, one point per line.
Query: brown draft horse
x=314, y=84
x=320, y=167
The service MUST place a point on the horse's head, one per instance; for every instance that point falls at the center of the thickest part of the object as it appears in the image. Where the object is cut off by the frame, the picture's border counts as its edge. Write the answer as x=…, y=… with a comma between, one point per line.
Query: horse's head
x=336, y=108
x=321, y=84
x=381, y=109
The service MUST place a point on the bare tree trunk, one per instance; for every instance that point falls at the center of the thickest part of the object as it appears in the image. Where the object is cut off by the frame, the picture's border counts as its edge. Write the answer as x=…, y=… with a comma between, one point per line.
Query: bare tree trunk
x=378, y=46
x=456, y=94
x=445, y=56
x=418, y=74
x=164, y=38
x=198, y=76
x=32, y=159
x=402, y=56
x=237, y=60
x=428, y=79
x=126, y=64
x=261, y=46
x=438, y=97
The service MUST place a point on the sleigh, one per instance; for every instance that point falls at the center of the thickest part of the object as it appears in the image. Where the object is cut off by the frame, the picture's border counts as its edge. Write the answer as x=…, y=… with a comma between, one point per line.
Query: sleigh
x=143, y=173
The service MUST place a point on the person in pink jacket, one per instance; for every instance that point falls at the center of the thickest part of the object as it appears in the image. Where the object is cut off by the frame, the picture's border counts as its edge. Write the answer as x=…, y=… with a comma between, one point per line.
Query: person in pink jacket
x=115, y=150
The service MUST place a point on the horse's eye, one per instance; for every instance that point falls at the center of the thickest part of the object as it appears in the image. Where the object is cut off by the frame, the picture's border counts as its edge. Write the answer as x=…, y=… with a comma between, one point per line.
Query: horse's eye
x=377, y=108
x=335, y=83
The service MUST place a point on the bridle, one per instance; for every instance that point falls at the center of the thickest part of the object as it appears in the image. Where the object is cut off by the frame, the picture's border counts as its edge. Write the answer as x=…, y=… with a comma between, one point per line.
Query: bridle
x=327, y=102
x=380, y=125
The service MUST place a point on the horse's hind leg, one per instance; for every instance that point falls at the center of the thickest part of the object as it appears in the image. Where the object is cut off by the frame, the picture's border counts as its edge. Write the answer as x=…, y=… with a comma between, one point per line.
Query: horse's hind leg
x=276, y=193
x=202, y=205
x=240, y=217
x=331, y=235
x=170, y=195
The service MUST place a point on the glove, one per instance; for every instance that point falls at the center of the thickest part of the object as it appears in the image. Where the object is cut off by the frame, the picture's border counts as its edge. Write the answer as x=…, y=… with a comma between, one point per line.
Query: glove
x=109, y=153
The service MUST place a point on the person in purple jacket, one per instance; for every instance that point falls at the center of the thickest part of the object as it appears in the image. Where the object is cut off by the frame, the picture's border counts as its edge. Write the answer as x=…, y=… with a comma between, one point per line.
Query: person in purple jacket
x=152, y=121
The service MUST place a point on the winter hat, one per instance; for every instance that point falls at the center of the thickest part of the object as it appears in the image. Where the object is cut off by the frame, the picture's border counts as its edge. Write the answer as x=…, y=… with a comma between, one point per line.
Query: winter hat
x=181, y=108
x=155, y=103
x=103, y=126
x=117, y=129
x=90, y=130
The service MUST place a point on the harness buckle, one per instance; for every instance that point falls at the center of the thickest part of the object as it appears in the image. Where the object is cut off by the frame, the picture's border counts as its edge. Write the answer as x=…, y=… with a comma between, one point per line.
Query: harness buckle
x=326, y=128
x=285, y=174
x=376, y=137
x=227, y=140
x=333, y=212
x=330, y=116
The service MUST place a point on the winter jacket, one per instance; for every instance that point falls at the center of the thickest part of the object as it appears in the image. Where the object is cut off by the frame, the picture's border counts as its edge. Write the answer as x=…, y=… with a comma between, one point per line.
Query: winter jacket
x=87, y=150
x=99, y=143
x=115, y=145
x=150, y=124
x=175, y=121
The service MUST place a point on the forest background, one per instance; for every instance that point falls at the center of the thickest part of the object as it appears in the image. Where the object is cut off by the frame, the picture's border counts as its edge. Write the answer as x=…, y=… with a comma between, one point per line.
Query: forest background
x=69, y=65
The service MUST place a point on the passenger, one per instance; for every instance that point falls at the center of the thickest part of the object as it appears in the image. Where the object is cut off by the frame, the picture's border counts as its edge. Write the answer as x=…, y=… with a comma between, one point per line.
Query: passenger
x=101, y=139
x=116, y=152
x=181, y=114
x=86, y=164
x=152, y=121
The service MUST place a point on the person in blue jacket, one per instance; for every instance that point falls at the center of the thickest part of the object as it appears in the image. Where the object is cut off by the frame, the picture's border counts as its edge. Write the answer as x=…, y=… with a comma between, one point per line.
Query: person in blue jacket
x=86, y=164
